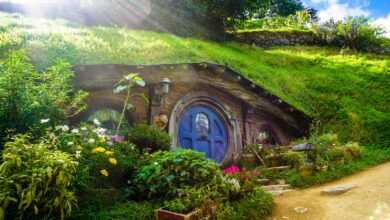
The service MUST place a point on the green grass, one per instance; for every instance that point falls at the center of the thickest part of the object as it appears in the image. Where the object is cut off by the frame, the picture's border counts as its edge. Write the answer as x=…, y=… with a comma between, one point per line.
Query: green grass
x=347, y=92
x=371, y=156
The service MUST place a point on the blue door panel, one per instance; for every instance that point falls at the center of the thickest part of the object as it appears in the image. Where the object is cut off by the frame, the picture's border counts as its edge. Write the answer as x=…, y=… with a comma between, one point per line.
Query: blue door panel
x=202, y=129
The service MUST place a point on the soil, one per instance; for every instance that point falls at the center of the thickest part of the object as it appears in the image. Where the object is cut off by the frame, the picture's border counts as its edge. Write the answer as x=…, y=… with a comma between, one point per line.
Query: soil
x=370, y=200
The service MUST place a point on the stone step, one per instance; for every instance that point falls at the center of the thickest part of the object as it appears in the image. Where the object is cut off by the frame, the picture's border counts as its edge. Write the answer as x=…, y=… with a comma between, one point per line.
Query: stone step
x=276, y=187
x=279, y=192
x=281, y=168
x=263, y=181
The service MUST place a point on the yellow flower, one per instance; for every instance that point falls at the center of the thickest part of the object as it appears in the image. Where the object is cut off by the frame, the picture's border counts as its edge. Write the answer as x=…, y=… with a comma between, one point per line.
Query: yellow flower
x=109, y=153
x=104, y=172
x=98, y=150
x=113, y=161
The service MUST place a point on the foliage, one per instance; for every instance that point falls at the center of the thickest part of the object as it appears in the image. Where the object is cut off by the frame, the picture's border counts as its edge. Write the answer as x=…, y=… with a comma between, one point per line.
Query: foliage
x=346, y=91
x=164, y=173
x=120, y=211
x=294, y=159
x=354, y=33
x=149, y=138
x=300, y=20
x=36, y=179
x=28, y=97
x=188, y=200
x=126, y=85
x=256, y=205
x=105, y=160
x=370, y=156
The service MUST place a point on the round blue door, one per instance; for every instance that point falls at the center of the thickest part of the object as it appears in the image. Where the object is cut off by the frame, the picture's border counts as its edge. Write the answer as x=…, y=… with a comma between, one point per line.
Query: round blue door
x=202, y=129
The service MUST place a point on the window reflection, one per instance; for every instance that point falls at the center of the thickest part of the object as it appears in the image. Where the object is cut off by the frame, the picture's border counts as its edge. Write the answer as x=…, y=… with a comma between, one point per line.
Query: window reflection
x=202, y=124
x=266, y=138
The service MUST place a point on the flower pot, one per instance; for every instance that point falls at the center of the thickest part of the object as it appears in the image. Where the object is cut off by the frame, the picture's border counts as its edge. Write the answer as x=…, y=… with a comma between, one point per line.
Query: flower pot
x=162, y=214
x=198, y=214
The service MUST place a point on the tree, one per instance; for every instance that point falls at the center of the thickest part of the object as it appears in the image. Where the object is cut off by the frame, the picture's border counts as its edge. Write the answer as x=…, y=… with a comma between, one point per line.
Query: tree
x=284, y=7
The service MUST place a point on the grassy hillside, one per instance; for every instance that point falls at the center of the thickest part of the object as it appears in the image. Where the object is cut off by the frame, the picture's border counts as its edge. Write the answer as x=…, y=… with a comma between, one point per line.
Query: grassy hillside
x=348, y=93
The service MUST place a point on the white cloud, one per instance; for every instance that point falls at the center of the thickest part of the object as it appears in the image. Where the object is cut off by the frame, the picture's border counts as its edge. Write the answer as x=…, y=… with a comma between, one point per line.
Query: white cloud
x=384, y=22
x=338, y=11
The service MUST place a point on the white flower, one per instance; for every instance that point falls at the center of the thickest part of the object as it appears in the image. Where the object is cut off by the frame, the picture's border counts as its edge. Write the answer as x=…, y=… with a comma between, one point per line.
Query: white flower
x=70, y=143
x=44, y=121
x=155, y=163
x=91, y=141
x=75, y=131
x=96, y=122
x=83, y=128
x=78, y=154
x=101, y=131
x=65, y=128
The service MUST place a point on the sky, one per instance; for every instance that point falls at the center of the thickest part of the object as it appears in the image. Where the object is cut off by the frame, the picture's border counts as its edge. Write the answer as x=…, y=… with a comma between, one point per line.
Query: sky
x=377, y=10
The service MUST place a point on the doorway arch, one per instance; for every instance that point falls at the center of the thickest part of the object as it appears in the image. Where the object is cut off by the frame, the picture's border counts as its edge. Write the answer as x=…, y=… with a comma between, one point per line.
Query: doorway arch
x=223, y=112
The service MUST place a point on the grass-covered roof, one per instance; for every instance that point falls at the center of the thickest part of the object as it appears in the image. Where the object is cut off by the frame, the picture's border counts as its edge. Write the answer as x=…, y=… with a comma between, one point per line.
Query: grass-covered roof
x=349, y=93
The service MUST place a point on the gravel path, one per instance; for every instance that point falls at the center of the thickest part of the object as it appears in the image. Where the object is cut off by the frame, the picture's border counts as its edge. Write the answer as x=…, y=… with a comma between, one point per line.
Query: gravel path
x=370, y=200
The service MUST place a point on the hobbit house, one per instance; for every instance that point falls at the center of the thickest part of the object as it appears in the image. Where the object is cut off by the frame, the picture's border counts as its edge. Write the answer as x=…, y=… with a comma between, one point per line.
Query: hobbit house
x=206, y=107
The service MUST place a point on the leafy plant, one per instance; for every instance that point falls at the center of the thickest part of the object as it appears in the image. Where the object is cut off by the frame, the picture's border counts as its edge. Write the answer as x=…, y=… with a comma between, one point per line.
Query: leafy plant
x=188, y=200
x=255, y=205
x=164, y=173
x=36, y=180
x=28, y=99
x=149, y=138
x=104, y=159
x=127, y=84
x=294, y=159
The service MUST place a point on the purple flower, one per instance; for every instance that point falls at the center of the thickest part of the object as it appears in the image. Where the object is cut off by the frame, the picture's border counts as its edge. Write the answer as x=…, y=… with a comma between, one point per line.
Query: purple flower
x=117, y=138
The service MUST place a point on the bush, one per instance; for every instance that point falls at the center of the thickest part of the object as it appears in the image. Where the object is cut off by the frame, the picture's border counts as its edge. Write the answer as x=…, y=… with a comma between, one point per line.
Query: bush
x=149, y=138
x=27, y=96
x=188, y=200
x=105, y=160
x=294, y=159
x=121, y=211
x=354, y=33
x=164, y=173
x=256, y=205
x=36, y=180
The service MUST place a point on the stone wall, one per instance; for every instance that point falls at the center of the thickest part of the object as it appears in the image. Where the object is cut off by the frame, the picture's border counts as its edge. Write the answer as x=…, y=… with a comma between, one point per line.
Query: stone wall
x=279, y=38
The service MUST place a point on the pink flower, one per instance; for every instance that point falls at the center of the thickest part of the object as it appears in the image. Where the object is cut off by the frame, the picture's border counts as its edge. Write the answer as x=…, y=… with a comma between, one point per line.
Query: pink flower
x=231, y=169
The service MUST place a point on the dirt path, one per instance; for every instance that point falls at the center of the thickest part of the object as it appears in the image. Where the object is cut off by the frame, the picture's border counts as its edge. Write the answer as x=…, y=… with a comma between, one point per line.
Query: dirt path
x=369, y=201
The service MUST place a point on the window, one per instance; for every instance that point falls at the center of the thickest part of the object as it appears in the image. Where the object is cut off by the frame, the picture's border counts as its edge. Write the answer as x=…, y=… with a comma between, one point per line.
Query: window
x=202, y=124
x=266, y=138
x=108, y=117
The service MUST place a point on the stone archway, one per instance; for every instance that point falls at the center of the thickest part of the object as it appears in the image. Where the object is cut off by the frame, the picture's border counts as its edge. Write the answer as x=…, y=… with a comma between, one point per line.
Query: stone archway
x=228, y=116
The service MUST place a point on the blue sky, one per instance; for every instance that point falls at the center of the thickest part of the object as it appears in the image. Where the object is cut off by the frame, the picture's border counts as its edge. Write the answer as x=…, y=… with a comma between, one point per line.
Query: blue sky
x=377, y=10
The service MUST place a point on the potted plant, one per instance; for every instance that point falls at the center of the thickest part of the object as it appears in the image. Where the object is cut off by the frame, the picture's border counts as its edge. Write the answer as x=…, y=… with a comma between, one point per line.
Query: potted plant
x=191, y=204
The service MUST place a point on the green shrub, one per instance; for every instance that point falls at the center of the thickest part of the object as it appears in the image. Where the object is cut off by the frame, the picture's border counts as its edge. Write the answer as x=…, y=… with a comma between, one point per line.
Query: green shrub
x=164, y=173
x=120, y=211
x=36, y=180
x=188, y=200
x=353, y=149
x=353, y=33
x=256, y=205
x=149, y=138
x=294, y=159
x=370, y=156
x=27, y=96
x=105, y=160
